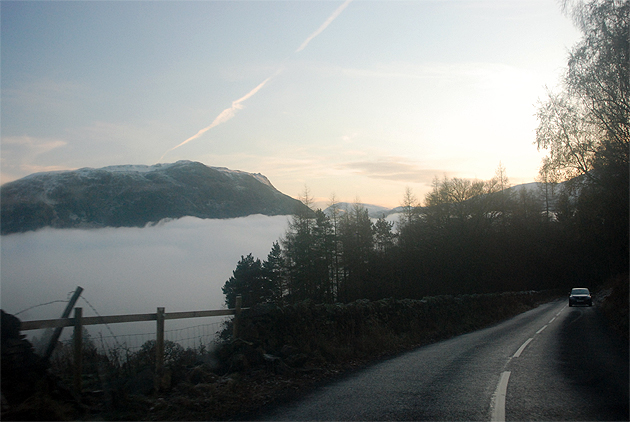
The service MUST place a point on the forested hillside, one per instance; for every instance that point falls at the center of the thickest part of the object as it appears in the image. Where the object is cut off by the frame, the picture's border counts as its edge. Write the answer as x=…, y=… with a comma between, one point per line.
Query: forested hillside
x=474, y=236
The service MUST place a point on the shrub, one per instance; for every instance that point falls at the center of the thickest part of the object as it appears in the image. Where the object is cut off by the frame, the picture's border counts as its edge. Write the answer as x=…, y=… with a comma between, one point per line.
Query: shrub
x=363, y=329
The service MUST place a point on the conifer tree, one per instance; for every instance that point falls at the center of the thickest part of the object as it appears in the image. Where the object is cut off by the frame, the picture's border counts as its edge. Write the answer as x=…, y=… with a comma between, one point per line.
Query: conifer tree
x=274, y=270
x=248, y=281
x=357, y=243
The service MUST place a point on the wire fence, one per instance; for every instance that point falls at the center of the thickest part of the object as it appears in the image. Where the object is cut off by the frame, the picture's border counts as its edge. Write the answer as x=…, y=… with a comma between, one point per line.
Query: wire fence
x=197, y=336
x=194, y=337
x=189, y=337
x=84, y=359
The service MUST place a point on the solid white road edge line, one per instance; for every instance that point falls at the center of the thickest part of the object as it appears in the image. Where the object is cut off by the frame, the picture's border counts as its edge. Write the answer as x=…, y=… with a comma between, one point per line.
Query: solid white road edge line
x=520, y=349
x=498, y=399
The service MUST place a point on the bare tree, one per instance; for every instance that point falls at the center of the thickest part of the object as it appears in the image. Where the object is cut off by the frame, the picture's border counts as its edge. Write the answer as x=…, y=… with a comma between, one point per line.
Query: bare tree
x=587, y=124
x=547, y=179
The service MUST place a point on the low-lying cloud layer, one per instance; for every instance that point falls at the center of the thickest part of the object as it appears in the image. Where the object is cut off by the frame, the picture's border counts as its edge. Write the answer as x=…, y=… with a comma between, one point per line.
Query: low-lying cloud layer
x=180, y=265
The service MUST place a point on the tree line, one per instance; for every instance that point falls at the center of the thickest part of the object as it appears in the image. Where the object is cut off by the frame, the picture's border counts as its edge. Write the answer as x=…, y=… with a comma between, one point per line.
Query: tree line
x=475, y=236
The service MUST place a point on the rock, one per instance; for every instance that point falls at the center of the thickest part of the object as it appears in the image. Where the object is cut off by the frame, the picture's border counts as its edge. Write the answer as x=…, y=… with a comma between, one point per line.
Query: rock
x=297, y=360
x=240, y=355
x=201, y=375
x=238, y=362
x=28, y=390
x=22, y=370
x=276, y=365
x=10, y=326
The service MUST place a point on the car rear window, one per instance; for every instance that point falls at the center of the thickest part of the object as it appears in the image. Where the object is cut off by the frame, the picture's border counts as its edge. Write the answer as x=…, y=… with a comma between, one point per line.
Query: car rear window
x=579, y=292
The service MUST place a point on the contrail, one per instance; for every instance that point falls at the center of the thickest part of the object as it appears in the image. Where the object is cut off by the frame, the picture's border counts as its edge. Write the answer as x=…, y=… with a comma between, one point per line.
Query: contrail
x=324, y=25
x=228, y=113
x=225, y=115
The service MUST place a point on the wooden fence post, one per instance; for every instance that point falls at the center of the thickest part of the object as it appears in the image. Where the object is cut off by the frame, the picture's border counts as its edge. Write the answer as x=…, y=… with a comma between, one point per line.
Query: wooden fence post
x=78, y=350
x=237, y=314
x=57, y=333
x=159, y=350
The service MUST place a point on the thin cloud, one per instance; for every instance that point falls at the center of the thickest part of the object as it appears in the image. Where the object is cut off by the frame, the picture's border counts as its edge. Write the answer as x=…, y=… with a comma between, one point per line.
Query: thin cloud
x=442, y=71
x=20, y=152
x=392, y=168
x=33, y=145
x=46, y=93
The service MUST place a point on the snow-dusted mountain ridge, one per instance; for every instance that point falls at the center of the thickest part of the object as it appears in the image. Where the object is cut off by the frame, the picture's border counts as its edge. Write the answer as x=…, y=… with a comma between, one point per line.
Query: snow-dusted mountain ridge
x=140, y=168
x=136, y=195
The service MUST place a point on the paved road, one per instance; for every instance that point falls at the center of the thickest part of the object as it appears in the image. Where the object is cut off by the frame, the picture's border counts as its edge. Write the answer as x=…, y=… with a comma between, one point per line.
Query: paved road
x=550, y=363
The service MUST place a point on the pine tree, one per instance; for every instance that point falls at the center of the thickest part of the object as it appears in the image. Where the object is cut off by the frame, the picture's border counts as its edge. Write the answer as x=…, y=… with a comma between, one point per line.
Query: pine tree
x=274, y=270
x=357, y=243
x=248, y=281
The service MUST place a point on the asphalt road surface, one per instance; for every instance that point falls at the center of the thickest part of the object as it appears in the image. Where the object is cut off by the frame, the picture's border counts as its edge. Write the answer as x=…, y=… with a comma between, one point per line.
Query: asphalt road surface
x=551, y=363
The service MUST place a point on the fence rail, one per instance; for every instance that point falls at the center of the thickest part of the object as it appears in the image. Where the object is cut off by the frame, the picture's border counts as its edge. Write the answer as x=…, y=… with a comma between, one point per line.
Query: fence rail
x=78, y=321
x=116, y=319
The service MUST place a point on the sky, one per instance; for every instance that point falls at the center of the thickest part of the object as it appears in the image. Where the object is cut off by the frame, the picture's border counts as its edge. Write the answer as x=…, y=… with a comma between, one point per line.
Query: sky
x=357, y=99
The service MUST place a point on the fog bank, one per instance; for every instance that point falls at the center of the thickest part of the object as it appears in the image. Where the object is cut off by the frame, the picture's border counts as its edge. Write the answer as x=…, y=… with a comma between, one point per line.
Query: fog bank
x=181, y=265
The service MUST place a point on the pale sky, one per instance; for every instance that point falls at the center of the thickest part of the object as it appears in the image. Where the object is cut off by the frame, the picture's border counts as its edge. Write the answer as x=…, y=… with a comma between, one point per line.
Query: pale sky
x=359, y=99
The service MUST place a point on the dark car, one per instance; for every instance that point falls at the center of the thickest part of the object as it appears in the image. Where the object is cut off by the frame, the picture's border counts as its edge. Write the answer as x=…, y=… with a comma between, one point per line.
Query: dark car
x=580, y=296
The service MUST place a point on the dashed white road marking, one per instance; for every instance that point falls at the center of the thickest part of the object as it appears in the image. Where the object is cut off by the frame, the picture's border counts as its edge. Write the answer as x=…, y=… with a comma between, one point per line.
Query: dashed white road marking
x=563, y=308
x=520, y=349
x=498, y=399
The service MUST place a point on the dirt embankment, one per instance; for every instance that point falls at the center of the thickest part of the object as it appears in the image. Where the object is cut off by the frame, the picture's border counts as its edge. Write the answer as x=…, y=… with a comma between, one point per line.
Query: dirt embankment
x=614, y=299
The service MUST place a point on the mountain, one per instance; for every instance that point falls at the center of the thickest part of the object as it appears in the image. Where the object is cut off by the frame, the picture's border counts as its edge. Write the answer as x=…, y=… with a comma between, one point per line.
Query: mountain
x=136, y=195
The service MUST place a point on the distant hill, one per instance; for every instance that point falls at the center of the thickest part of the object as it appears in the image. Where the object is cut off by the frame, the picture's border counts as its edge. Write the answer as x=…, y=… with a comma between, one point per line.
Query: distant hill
x=374, y=211
x=535, y=189
x=135, y=195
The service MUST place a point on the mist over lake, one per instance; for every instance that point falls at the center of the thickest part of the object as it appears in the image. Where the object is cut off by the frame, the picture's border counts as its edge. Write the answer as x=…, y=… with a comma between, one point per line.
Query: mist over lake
x=180, y=265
